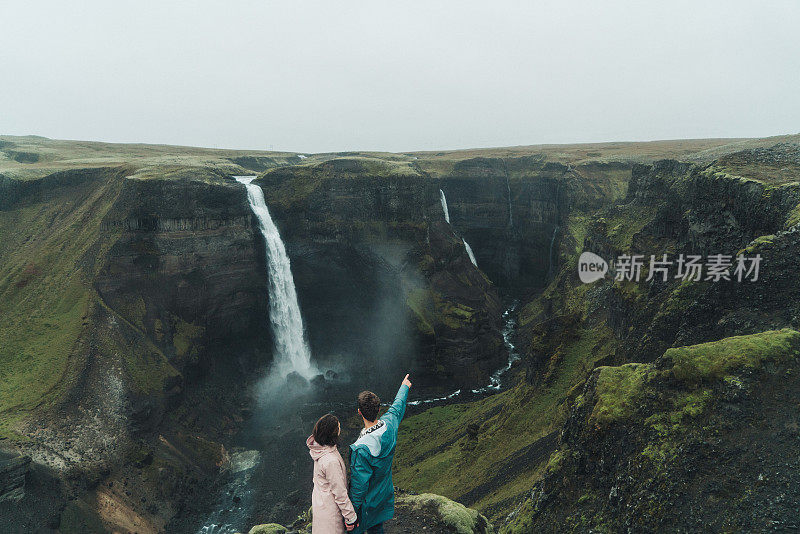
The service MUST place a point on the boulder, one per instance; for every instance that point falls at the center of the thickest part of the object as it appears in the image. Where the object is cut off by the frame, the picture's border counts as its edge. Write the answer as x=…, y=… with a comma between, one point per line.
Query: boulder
x=270, y=528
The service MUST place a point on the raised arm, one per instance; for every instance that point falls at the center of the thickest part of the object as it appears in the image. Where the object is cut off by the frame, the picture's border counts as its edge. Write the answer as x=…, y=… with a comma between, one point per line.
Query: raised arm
x=397, y=410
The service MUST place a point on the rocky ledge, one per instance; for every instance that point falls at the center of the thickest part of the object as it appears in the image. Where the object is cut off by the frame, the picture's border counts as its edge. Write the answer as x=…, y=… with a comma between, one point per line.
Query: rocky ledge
x=413, y=513
x=13, y=470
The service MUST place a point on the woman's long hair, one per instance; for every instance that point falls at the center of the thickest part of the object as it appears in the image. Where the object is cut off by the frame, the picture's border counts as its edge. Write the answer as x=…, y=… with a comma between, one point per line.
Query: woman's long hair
x=326, y=431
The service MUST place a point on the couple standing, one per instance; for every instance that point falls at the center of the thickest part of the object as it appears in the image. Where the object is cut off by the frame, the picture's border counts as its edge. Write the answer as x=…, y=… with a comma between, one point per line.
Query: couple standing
x=371, y=498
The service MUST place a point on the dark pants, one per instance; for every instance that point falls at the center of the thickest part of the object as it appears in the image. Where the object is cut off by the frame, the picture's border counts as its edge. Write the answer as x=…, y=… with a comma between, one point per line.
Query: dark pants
x=376, y=529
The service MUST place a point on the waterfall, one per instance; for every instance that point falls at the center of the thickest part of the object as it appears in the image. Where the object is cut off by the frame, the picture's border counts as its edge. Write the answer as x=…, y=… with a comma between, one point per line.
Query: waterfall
x=552, y=241
x=510, y=215
x=444, y=206
x=291, y=350
x=469, y=252
x=447, y=219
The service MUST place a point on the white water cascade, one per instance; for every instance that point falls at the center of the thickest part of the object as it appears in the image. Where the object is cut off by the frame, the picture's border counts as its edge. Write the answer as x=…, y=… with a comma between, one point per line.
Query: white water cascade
x=469, y=253
x=444, y=206
x=447, y=220
x=291, y=349
x=509, y=328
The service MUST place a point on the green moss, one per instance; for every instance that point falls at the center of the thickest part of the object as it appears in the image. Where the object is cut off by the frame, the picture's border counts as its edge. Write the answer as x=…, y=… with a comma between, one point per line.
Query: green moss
x=758, y=244
x=457, y=517
x=794, y=217
x=555, y=461
x=298, y=182
x=385, y=168
x=186, y=337
x=577, y=224
x=45, y=296
x=133, y=310
x=664, y=445
x=684, y=294
x=714, y=360
x=701, y=363
x=736, y=382
x=690, y=405
x=619, y=392
x=626, y=221
x=271, y=528
x=34, y=355
x=149, y=370
x=452, y=314
x=419, y=301
x=631, y=291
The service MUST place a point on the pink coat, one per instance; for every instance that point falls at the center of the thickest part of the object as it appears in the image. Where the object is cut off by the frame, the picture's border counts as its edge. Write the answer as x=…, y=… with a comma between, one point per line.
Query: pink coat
x=331, y=505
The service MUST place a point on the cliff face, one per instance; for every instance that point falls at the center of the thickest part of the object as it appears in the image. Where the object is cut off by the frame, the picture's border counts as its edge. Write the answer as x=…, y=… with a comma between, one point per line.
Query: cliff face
x=379, y=275
x=122, y=297
x=509, y=210
x=674, y=444
x=379, y=225
x=457, y=312
x=185, y=266
x=13, y=472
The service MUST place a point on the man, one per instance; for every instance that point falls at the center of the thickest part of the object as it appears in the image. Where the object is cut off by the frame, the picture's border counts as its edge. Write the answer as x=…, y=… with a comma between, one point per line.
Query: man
x=371, y=456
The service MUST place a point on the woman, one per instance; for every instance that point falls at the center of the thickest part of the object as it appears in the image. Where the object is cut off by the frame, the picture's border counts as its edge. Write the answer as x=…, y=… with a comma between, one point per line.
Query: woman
x=333, y=512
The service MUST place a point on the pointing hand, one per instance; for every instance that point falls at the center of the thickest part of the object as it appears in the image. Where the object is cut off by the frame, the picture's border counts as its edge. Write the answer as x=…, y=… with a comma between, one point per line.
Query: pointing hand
x=406, y=381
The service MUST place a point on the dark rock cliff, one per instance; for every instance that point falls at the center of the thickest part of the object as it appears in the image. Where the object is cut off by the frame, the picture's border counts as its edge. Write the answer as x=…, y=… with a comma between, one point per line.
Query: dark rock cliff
x=13, y=472
x=169, y=287
x=698, y=440
x=380, y=277
x=185, y=262
x=509, y=210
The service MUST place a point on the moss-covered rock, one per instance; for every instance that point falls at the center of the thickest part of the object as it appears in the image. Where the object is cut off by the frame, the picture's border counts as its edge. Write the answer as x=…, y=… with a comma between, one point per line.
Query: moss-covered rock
x=619, y=390
x=714, y=360
x=271, y=528
x=455, y=516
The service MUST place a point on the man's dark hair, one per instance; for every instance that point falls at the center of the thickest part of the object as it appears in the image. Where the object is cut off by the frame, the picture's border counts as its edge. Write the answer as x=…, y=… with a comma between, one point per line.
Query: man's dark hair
x=369, y=404
x=326, y=431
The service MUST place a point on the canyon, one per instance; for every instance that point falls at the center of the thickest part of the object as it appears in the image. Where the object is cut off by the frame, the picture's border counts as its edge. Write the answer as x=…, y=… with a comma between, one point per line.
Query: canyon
x=136, y=307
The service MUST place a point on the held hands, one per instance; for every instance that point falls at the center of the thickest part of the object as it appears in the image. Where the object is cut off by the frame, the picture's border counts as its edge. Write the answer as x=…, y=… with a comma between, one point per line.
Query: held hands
x=406, y=382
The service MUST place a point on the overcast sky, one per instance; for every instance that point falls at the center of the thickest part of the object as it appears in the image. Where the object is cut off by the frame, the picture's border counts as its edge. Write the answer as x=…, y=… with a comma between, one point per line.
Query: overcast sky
x=403, y=75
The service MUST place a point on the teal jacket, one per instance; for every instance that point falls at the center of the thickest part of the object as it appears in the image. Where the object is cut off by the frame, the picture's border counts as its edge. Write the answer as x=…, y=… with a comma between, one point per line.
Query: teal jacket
x=371, y=488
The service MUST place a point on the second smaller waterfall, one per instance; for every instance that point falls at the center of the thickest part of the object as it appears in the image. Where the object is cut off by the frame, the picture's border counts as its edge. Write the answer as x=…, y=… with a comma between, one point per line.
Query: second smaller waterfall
x=469, y=252
x=447, y=220
x=444, y=206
